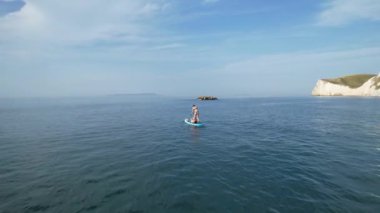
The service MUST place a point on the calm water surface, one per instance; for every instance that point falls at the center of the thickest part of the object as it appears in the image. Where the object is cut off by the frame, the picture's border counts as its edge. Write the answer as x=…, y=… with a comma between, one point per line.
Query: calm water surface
x=133, y=154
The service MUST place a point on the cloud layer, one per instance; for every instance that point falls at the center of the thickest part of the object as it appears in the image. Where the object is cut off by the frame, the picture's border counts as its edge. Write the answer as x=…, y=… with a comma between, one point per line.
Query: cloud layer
x=73, y=22
x=341, y=12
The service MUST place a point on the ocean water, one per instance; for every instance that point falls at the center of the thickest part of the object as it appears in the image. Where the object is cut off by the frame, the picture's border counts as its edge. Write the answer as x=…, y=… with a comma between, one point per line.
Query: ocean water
x=135, y=154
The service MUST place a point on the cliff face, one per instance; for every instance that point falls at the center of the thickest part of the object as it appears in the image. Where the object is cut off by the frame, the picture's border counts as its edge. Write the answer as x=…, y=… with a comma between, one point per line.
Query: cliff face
x=355, y=85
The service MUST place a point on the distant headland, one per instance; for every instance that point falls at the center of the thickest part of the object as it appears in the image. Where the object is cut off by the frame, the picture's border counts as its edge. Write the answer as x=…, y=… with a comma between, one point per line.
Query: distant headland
x=207, y=98
x=352, y=85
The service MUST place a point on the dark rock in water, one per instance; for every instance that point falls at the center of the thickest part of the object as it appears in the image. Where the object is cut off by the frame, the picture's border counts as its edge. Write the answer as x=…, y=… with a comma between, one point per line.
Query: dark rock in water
x=207, y=98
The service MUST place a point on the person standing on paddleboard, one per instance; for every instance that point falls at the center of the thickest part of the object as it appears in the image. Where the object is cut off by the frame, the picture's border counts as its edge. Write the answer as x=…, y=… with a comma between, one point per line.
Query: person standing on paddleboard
x=195, y=111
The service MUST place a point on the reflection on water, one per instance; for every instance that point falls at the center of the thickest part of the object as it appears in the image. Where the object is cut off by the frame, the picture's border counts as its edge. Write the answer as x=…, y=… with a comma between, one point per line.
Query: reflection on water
x=195, y=132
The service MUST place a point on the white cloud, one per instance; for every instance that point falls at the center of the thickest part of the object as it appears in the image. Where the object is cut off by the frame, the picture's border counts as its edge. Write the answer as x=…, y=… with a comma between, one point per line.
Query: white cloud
x=168, y=46
x=278, y=63
x=73, y=22
x=340, y=12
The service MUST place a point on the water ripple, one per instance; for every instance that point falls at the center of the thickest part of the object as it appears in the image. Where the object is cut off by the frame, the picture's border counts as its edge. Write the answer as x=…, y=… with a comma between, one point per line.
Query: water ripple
x=254, y=155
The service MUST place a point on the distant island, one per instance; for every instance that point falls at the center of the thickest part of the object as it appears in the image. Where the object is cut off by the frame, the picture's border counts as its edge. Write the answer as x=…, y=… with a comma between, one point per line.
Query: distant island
x=207, y=98
x=352, y=85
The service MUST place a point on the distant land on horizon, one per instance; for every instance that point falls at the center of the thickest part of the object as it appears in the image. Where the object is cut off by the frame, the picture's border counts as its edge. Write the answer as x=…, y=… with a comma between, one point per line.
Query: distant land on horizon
x=136, y=94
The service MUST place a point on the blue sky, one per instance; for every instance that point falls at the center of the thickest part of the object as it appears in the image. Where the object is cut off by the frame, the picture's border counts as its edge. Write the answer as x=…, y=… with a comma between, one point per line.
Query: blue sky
x=183, y=48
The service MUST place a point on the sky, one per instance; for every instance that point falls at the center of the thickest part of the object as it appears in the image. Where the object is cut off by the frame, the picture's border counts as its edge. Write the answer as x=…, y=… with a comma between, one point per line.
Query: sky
x=225, y=48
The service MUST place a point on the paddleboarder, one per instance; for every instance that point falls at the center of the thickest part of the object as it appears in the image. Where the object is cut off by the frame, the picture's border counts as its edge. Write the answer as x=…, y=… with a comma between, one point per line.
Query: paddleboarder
x=195, y=112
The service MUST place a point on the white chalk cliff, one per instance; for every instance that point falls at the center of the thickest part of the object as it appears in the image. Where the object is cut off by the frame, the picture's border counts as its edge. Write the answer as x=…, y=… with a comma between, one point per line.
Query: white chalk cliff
x=354, y=85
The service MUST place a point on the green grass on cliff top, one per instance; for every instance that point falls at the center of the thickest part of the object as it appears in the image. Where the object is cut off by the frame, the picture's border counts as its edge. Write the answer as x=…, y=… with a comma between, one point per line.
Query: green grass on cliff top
x=352, y=81
x=377, y=82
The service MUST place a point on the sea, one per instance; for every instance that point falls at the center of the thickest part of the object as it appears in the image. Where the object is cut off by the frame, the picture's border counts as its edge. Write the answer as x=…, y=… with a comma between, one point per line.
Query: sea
x=131, y=153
